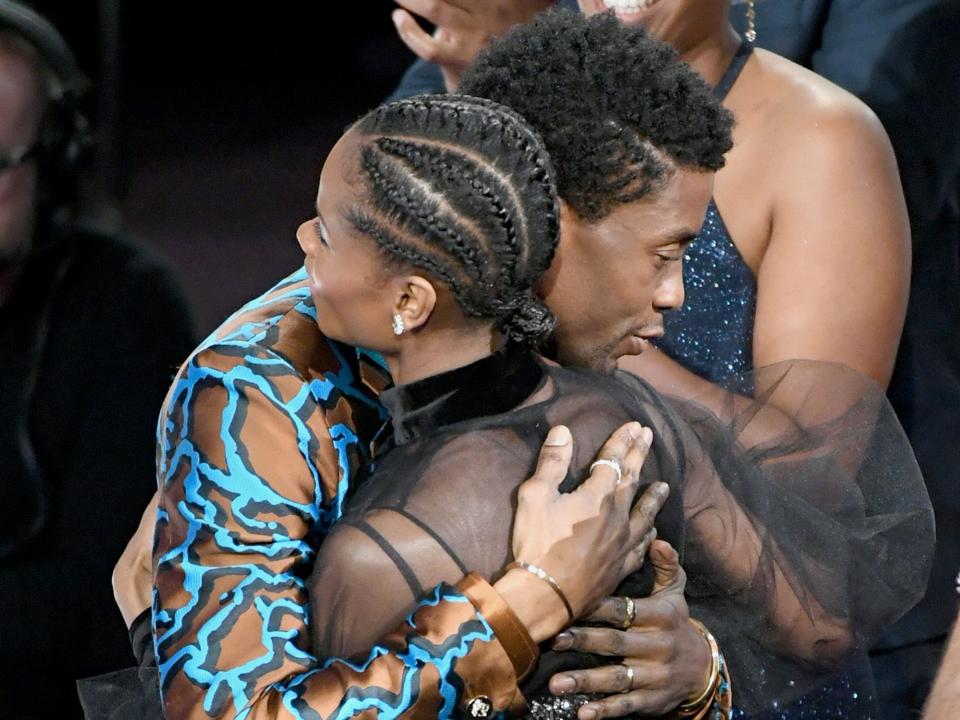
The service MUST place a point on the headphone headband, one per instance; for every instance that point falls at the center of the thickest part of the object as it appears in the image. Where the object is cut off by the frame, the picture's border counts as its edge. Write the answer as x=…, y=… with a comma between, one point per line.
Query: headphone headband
x=49, y=44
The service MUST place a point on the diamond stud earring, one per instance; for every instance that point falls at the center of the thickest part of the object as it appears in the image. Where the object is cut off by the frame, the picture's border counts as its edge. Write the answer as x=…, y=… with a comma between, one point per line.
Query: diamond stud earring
x=398, y=326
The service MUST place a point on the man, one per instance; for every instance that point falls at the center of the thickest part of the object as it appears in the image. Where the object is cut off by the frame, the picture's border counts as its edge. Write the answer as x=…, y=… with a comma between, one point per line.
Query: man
x=90, y=331
x=897, y=56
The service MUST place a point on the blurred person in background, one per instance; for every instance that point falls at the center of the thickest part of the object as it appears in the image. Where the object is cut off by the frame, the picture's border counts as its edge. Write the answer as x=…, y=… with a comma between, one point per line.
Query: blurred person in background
x=804, y=252
x=944, y=700
x=91, y=331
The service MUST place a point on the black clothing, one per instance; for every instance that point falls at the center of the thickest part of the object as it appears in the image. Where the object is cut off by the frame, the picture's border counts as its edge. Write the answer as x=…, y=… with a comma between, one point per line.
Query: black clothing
x=800, y=519
x=89, y=340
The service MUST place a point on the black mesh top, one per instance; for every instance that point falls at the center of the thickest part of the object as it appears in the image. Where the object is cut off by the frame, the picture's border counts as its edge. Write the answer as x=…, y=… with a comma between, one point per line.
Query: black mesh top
x=801, y=544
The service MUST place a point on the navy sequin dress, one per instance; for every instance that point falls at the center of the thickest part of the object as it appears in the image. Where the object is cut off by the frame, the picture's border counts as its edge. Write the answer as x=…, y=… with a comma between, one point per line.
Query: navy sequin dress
x=712, y=335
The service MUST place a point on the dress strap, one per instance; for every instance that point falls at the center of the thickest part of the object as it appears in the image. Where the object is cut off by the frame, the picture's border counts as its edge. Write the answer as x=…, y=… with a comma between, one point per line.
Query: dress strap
x=733, y=70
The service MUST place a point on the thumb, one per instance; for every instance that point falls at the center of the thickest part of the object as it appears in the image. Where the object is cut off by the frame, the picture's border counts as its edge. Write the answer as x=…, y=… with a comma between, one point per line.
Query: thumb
x=668, y=575
x=554, y=460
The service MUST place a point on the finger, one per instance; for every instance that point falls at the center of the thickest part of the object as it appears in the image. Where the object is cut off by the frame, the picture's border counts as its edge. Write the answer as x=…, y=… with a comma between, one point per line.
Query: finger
x=666, y=567
x=638, y=555
x=609, y=611
x=553, y=463
x=644, y=513
x=643, y=703
x=633, y=463
x=603, y=477
x=416, y=38
x=438, y=12
x=607, y=679
x=611, y=643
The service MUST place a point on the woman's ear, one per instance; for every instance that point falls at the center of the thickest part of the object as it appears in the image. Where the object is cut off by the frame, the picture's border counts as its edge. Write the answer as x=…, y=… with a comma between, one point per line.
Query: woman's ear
x=415, y=301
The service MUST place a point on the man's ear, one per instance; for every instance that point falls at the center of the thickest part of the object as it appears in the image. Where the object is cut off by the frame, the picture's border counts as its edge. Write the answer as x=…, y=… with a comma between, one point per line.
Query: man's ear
x=415, y=301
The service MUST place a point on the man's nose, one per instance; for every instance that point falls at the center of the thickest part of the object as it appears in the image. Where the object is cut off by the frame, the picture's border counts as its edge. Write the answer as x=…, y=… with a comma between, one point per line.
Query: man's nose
x=670, y=294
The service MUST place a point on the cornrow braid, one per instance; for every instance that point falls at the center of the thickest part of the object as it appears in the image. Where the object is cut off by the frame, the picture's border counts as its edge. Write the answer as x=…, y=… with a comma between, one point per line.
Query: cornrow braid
x=463, y=188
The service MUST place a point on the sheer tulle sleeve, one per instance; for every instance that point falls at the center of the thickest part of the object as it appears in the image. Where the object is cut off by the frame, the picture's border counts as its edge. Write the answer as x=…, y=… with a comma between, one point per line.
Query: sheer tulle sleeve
x=808, y=529
x=801, y=542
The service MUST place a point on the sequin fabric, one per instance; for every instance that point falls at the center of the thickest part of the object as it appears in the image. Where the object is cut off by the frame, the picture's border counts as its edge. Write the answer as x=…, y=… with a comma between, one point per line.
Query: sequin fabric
x=846, y=698
x=712, y=334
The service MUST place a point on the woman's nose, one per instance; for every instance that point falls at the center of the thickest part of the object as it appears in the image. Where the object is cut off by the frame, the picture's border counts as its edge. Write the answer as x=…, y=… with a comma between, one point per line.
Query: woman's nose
x=305, y=237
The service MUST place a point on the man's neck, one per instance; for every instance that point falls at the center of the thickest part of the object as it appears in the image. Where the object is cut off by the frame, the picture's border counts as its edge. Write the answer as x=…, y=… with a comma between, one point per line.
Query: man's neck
x=713, y=55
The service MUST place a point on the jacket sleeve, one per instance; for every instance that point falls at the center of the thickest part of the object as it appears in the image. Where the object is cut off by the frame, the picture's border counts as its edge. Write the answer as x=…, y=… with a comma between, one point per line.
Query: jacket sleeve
x=253, y=468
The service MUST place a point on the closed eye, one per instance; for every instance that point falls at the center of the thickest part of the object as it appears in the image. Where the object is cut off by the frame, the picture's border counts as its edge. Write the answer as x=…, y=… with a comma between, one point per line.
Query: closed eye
x=318, y=229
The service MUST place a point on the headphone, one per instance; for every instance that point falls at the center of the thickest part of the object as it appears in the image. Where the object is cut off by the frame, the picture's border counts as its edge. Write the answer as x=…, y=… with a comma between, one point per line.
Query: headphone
x=63, y=139
x=64, y=135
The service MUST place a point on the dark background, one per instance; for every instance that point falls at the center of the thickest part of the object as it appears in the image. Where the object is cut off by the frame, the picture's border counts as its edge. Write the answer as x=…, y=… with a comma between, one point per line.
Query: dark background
x=215, y=118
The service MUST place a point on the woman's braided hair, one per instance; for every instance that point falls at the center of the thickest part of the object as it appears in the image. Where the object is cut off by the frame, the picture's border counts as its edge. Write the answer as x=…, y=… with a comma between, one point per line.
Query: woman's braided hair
x=463, y=188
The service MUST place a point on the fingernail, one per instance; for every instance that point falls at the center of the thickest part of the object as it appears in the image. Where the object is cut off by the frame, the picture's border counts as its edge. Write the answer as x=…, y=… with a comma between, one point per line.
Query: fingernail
x=558, y=437
x=634, y=430
x=562, y=641
x=564, y=684
x=587, y=713
x=647, y=435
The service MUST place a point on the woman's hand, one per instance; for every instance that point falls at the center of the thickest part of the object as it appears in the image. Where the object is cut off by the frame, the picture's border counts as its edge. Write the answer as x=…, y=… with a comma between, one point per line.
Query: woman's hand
x=133, y=573
x=669, y=656
x=587, y=540
x=463, y=29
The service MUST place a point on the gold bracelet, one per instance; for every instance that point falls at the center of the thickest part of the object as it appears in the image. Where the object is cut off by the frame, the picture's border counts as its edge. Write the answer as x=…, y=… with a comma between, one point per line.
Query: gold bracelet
x=547, y=578
x=694, y=707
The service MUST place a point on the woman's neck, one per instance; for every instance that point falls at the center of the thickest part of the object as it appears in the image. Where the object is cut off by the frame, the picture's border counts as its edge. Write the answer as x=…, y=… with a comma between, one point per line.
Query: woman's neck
x=431, y=354
x=712, y=56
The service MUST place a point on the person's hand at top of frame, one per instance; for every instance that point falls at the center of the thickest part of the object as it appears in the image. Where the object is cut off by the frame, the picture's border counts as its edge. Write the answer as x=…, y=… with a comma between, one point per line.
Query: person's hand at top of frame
x=463, y=29
x=666, y=660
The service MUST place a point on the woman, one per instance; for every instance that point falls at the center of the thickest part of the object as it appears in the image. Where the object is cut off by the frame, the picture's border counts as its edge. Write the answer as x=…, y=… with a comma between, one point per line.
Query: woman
x=445, y=256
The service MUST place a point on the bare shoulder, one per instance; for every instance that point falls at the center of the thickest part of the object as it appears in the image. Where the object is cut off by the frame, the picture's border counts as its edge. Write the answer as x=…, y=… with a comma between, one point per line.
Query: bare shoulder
x=800, y=105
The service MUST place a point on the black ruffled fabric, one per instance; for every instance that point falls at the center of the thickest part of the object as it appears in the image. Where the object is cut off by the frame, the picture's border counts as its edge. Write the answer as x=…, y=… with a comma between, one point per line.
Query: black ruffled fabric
x=800, y=514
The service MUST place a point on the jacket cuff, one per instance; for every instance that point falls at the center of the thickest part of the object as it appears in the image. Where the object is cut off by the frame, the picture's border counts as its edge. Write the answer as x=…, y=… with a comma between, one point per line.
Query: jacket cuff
x=492, y=671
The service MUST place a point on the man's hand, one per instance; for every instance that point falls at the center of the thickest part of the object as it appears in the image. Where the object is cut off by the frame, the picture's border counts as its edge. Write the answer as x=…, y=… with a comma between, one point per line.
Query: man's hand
x=463, y=29
x=133, y=573
x=669, y=656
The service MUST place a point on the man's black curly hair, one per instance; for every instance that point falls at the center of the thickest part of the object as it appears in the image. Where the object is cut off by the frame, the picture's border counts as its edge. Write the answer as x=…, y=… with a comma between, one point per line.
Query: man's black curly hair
x=616, y=109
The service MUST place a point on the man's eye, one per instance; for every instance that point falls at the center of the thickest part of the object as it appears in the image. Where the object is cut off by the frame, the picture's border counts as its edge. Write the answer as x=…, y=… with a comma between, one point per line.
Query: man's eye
x=670, y=257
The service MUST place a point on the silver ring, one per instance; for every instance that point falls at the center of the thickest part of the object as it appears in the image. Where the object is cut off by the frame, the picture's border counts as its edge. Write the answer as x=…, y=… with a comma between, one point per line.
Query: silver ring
x=611, y=464
x=630, y=673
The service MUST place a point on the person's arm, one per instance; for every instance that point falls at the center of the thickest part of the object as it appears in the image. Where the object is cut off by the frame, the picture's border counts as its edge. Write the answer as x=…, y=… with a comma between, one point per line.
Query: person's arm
x=944, y=700
x=241, y=504
x=834, y=280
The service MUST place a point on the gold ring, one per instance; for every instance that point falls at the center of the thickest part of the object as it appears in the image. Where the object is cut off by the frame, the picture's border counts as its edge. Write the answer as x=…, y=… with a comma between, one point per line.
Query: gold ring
x=630, y=673
x=631, y=614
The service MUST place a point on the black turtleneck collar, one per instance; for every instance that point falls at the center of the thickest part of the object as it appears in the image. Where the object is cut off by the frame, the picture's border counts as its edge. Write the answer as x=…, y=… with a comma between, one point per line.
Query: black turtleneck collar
x=494, y=384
